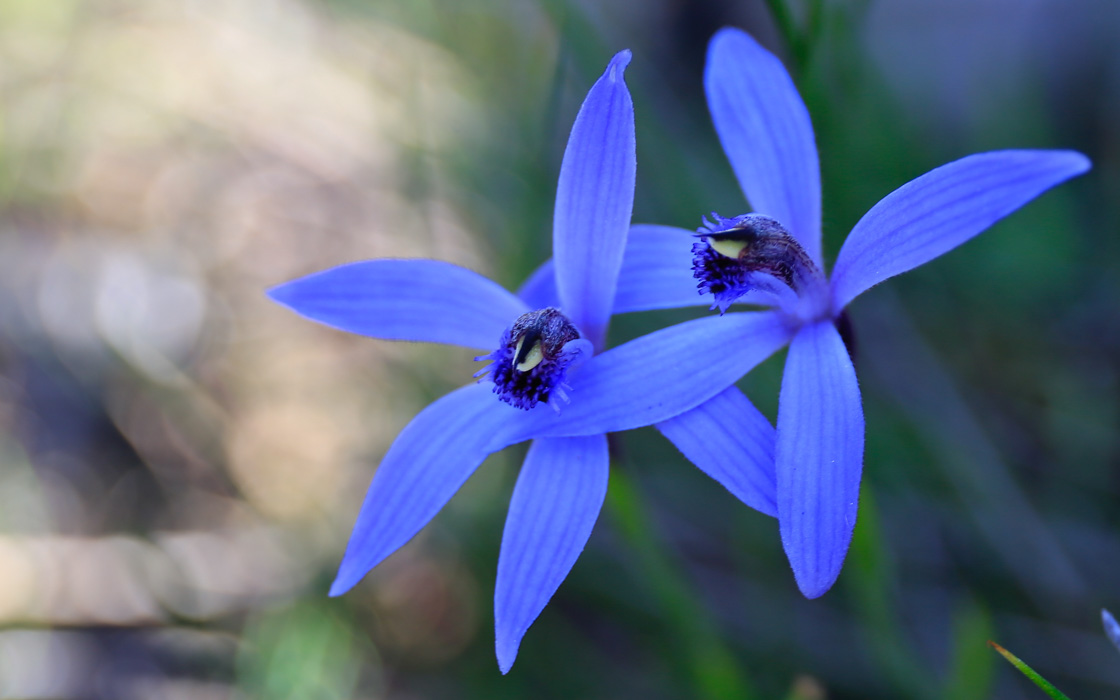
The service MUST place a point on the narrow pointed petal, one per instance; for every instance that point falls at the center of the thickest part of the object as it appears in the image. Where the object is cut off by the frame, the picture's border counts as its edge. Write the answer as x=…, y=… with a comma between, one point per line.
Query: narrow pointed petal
x=431, y=458
x=555, y=504
x=658, y=376
x=1111, y=628
x=594, y=201
x=656, y=273
x=766, y=132
x=421, y=300
x=819, y=456
x=942, y=209
x=732, y=442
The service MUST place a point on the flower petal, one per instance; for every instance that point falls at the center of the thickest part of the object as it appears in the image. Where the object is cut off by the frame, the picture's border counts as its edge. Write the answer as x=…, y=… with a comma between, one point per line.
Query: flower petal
x=732, y=442
x=658, y=376
x=594, y=201
x=539, y=291
x=557, y=498
x=422, y=470
x=422, y=300
x=1111, y=628
x=942, y=209
x=766, y=132
x=819, y=456
x=656, y=273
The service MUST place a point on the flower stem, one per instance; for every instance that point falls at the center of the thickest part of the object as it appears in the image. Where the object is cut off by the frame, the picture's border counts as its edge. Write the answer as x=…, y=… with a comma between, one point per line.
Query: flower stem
x=713, y=669
x=871, y=579
x=799, y=41
x=1029, y=672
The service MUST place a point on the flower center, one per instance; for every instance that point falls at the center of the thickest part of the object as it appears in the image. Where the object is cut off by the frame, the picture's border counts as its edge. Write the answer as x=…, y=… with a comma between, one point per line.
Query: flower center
x=751, y=252
x=533, y=358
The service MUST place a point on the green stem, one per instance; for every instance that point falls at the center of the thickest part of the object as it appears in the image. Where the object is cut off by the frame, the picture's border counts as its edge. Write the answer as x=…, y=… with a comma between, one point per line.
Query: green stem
x=1029, y=672
x=714, y=670
x=799, y=41
x=790, y=34
x=870, y=579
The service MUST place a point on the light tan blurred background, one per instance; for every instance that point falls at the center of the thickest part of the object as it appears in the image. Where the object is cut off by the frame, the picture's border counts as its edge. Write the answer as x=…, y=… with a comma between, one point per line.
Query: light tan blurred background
x=162, y=163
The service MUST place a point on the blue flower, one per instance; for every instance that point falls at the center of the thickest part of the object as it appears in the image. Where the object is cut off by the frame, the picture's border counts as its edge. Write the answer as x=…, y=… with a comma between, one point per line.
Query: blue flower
x=773, y=257
x=546, y=340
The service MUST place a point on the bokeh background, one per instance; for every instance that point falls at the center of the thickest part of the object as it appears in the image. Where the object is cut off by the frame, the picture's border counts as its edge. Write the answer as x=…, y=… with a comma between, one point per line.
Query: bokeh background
x=181, y=461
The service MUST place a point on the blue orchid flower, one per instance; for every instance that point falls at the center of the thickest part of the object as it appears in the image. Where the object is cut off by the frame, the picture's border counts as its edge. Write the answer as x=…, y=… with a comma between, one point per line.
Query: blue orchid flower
x=773, y=257
x=550, y=338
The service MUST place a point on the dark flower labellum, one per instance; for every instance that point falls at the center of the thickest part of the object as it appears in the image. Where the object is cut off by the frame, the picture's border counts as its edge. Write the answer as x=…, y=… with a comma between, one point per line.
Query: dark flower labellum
x=532, y=360
x=747, y=252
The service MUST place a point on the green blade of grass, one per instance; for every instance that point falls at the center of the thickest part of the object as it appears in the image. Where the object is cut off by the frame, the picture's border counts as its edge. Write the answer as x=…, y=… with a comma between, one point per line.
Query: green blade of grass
x=970, y=674
x=1029, y=672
